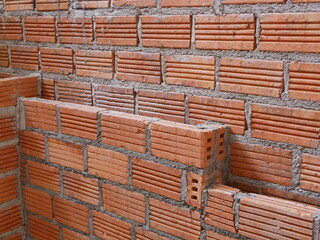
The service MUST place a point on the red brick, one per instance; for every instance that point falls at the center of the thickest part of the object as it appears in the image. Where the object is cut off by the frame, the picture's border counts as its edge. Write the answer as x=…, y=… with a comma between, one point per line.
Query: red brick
x=290, y=32
x=44, y=176
x=192, y=71
x=97, y=64
x=219, y=209
x=15, y=236
x=10, y=28
x=56, y=60
x=284, y=124
x=136, y=3
x=8, y=128
x=128, y=204
x=38, y=202
x=108, y=164
x=186, y=3
x=47, y=89
x=142, y=234
x=115, y=98
x=217, y=236
x=230, y=112
x=166, y=31
x=226, y=32
x=107, y=227
x=23, y=170
x=264, y=217
x=251, y=76
x=309, y=175
x=91, y=4
x=71, y=235
x=71, y=214
x=125, y=130
x=305, y=1
x=261, y=163
x=43, y=230
x=75, y=30
x=67, y=154
x=164, y=105
x=182, y=143
x=41, y=114
x=4, y=56
x=304, y=81
x=9, y=158
x=32, y=143
x=180, y=222
x=80, y=187
x=251, y=1
x=49, y=5
x=74, y=92
x=18, y=5
x=156, y=178
x=10, y=218
x=117, y=30
x=8, y=188
x=79, y=120
x=24, y=57
x=139, y=67
x=40, y=29
x=244, y=185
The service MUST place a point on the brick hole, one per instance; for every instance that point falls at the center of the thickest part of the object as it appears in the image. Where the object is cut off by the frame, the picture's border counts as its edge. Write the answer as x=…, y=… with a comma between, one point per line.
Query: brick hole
x=195, y=189
x=209, y=140
x=194, y=197
x=195, y=181
x=209, y=149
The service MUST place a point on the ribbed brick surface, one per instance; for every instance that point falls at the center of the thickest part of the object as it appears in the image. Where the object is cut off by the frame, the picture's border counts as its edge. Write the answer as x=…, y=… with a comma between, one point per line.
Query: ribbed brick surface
x=56, y=60
x=142, y=234
x=43, y=230
x=71, y=235
x=9, y=158
x=8, y=127
x=10, y=218
x=24, y=57
x=217, y=236
x=40, y=29
x=47, y=89
x=90, y=4
x=17, y=5
x=8, y=188
x=48, y=5
x=186, y=3
x=4, y=56
x=74, y=92
x=32, y=144
x=10, y=28
x=309, y=177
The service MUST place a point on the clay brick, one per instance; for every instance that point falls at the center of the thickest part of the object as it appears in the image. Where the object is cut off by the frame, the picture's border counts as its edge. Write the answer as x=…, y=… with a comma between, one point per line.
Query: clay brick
x=128, y=204
x=136, y=3
x=226, y=32
x=115, y=98
x=177, y=221
x=192, y=71
x=56, y=60
x=71, y=214
x=4, y=56
x=24, y=57
x=41, y=114
x=49, y=5
x=263, y=217
x=44, y=176
x=10, y=28
x=284, y=124
x=43, y=230
x=71, y=235
x=74, y=92
x=38, y=202
x=261, y=163
x=67, y=154
x=8, y=188
x=142, y=234
x=18, y=5
x=47, y=89
x=139, y=67
x=79, y=120
x=108, y=164
x=225, y=111
x=32, y=143
x=9, y=158
x=97, y=64
x=75, y=30
x=245, y=186
x=156, y=178
x=166, y=31
x=290, y=32
x=164, y=105
x=305, y=1
x=217, y=236
x=90, y=4
x=23, y=170
x=186, y=3
x=10, y=218
x=251, y=1
x=15, y=236
x=107, y=227
x=182, y=143
x=80, y=187
x=8, y=128
x=309, y=176
x=251, y=76
x=304, y=81
x=117, y=30
x=40, y=29
x=125, y=130
x=219, y=209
